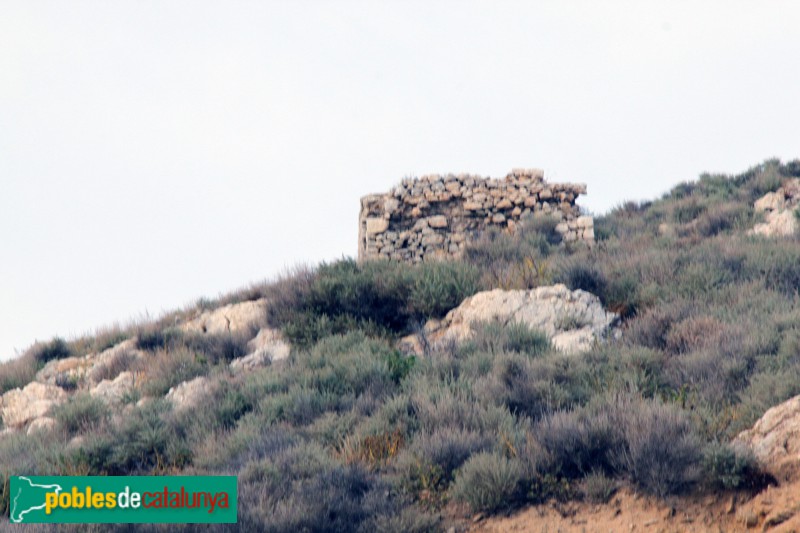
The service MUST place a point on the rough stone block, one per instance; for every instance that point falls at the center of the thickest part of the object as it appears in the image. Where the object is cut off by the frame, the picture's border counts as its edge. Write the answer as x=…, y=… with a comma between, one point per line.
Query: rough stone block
x=376, y=225
x=438, y=221
x=505, y=203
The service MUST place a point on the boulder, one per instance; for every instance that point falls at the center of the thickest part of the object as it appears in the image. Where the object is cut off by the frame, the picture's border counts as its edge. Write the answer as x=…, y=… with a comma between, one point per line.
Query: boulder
x=229, y=318
x=266, y=347
x=376, y=225
x=188, y=393
x=114, y=390
x=573, y=320
x=775, y=437
x=437, y=221
x=20, y=406
x=778, y=224
x=778, y=208
x=80, y=369
x=73, y=368
x=772, y=201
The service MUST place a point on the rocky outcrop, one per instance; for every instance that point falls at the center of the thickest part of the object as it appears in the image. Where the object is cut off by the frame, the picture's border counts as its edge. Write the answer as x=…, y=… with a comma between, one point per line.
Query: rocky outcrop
x=775, y=437
x=114, y=375
x=188, y=393
x=18, y=407
x=573, y=320
x=232, y=318
x=435, y=217
x=779, y=211
x=266, y=347
x=113, y=391
x=81, y=370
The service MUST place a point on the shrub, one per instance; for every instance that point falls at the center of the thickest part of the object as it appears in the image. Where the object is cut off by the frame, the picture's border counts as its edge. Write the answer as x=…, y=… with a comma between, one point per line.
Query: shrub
x=447, y=448
x=515, y=261
x=722, y=218
x=55, y=349
x=408, y=519
x=399, y=365
x=229, y=405
x=622, y=296
x=68, y=382
x=375, y=290
x=687, y=210
x=299, y=406
x=488, y=482
x=439, y=287
x=121, y=362
x=694, y=333
x=219, y=348
x=522, y=386
x=146, y=442
x=18, y=372
x=81, y=413
x=778, y=267
x=578, y=442
x=343, y=296
x=351, y=364
x=286, y=296
x=438, y=403
x=496, y=337
x=651, y=327
x=662, y=453
x=154, y=338
x=598, y=488
x=373, y=450
x=731, y=467
x=166, y=369
x=321, y=496
x=579, y=275
x=108, y=338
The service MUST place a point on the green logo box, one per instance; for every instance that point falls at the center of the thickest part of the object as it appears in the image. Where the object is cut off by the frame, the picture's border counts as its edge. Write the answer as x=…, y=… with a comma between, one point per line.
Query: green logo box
x=123, y=499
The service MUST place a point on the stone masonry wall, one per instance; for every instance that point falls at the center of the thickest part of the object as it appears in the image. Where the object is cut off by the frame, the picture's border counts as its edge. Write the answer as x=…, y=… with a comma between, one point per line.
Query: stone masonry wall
x=433, y=217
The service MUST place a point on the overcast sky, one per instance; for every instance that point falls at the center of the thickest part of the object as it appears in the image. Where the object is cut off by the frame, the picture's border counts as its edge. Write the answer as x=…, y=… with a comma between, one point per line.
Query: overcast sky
x=155, y=152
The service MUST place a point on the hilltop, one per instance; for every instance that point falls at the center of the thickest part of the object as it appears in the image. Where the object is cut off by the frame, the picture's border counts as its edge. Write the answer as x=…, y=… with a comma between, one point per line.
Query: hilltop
x=563, y=381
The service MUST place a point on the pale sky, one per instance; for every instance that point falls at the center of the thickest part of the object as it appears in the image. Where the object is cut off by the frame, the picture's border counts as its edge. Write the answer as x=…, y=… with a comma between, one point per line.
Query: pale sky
x=155, y=152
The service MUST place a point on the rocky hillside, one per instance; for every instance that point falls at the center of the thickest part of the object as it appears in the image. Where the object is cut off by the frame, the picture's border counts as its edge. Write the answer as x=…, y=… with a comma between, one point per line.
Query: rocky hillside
x=647, y=382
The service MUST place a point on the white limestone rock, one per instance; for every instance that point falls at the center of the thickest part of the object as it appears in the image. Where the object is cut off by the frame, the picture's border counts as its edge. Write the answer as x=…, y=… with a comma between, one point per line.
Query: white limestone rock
x=573, y=320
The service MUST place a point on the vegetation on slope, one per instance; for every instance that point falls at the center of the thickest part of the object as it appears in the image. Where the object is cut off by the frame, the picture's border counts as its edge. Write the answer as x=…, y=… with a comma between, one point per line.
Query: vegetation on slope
x=349, y=435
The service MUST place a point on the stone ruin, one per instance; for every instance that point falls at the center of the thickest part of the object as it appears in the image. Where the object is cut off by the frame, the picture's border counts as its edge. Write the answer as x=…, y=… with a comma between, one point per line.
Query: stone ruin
x=435, y=216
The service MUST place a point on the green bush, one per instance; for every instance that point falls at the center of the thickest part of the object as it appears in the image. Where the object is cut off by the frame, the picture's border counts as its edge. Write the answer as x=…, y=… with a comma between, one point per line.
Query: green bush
x=447, y=448
x=576, y=443
x=122, y=361
x=441, y=286
x=662, y=453
x=579, y=275
x=18, y=372
x=81, y=413
x=55, y=349
x=728, y=467
x=146, y=442
x=496, y=337
x=220, y=347
x=488, y=482
x=166, y=369
x=380, y=298
x=152, y=338
x=598, y=487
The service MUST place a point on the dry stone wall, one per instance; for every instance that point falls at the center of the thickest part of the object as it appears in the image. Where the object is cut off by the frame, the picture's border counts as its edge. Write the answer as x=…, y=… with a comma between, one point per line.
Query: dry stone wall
x=435, y=216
